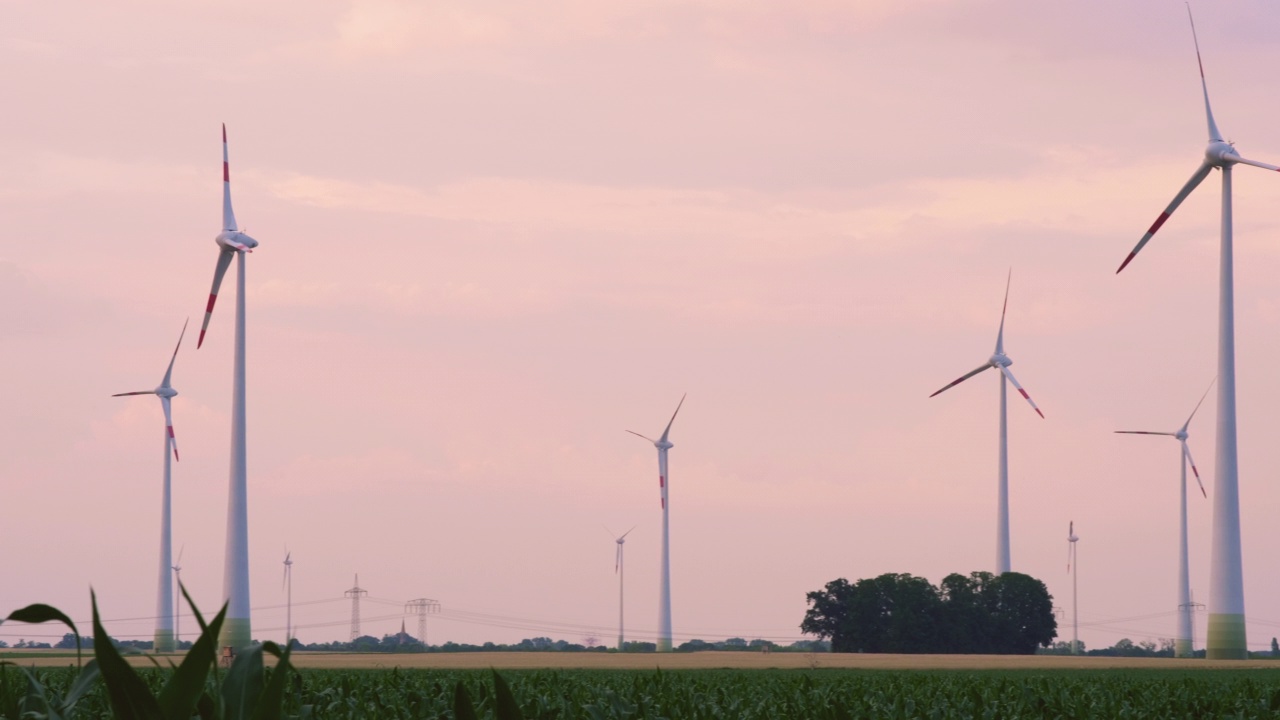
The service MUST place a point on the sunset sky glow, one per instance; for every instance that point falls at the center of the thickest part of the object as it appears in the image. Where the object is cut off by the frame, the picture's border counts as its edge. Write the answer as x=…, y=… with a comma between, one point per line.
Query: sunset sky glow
x=496, y=235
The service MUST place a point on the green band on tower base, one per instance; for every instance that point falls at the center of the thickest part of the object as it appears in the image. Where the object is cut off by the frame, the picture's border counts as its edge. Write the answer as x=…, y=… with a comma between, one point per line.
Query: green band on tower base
x=664, y=645
x=1226, y=637
x=164, y=641
x=235, y=633
x=1182, y=648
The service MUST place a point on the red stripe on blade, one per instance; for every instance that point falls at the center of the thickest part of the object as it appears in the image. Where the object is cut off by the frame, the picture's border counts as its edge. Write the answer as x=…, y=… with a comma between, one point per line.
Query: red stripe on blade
x=226, y=172
x=212, y=299
x=662, y=482
x=1126, y=261
x=1039, y=413
x=170, y=432
x=1159, y=221
x=1024, y=393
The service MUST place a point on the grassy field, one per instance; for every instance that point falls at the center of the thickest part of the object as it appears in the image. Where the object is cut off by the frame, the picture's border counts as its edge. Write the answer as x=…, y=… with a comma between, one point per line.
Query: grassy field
x=1169, y=690
x=684, y=661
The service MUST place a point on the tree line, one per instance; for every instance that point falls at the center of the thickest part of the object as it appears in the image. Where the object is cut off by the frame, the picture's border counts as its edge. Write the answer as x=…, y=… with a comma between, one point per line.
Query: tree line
x=980, y=613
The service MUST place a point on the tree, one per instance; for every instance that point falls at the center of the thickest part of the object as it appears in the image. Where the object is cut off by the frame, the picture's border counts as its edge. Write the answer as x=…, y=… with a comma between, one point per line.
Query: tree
x=1275, y=648
x=980, y=613
x=1021, y=612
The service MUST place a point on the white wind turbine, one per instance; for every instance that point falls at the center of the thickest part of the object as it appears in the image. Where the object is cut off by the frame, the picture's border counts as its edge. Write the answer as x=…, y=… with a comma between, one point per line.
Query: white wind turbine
x=1075, y=605
x=617, y=568
x=288, y=583
x=1182, y=644
x=177, y=597
x=1226, y=638
x=664, y=581
x=232, y=242
x=164, y=596
x=1001, y=362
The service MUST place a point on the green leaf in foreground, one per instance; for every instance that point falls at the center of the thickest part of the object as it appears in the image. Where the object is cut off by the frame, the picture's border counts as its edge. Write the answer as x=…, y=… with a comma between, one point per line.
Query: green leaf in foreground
x=178, y=698
x=505, y=707
x=463, y=708
x=129, y=695
x=41, y=613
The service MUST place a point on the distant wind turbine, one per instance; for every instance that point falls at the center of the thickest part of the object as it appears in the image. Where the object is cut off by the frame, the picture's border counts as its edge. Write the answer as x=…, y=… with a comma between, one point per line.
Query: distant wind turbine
x=1182, y=644
x=664, y=581
x=1001, y=362
x=1075, y=605
x=235, y=582
x=618, y=569
x=164, y=641
x=288, y=583
x=177, y=597
x=1226, y=640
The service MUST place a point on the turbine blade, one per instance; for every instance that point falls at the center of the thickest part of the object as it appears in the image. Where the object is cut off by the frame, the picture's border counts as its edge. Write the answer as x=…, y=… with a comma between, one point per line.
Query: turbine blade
x=1187, y=452
x=168, y=374
x=625, y=534
x=1214, y=135
x=964, y=377
x=1003, y=310
x=228, y=216
x=617, y=558
x=224, y=261
x=673, y=417
x=168, y=422
x=140, y=392
x=1144, y=432
x=1255, y=163
x=1187, y=424
x=633, y=432
x=1009, y=375
x=178, y=564
x=1196, y=179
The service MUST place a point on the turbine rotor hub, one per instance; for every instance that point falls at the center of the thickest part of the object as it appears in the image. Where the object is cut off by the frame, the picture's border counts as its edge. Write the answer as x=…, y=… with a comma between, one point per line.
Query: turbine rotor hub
x=1000, y=360
x=166, y=392
x=1221, y=154
x=664, y=444
x=1181, y=435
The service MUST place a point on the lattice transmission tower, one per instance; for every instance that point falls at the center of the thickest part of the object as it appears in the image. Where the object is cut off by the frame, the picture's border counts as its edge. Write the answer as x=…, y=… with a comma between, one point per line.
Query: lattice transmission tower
x=422, y=607
x=355, y=593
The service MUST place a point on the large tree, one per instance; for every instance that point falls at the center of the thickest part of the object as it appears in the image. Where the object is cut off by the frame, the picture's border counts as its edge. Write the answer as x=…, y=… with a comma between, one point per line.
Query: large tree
x=978, y=613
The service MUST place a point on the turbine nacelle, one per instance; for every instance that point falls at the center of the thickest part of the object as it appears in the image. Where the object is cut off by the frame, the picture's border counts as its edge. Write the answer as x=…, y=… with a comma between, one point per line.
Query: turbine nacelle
x=1000, y=360
x=166, y=392
x=236, y=240
x=1181, y=435
x=663, y=444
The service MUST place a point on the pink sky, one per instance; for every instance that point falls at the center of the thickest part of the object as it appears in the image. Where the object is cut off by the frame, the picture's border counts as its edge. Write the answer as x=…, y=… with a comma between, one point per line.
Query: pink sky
x=496, y=235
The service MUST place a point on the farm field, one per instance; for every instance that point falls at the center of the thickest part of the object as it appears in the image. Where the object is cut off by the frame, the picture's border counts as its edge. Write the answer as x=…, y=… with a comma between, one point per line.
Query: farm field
x=684, y=661
x=756, y=694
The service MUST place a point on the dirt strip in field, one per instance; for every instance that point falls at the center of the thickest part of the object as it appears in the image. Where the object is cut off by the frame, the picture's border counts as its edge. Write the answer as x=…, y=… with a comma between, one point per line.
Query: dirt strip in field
x=689, y=661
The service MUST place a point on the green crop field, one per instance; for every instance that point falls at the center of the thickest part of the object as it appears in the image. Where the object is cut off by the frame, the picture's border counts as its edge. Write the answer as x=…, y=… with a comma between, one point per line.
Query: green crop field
x=745, y=694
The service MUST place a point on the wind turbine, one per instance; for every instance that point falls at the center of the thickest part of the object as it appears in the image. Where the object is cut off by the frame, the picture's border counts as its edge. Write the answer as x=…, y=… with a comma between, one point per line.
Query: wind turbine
x=177, y=603
x=617, y=568
x=235, y=579
x=1182, y=644
x=1001, y=362
x=664, y=581
x=288, y=582
x=1226, y=638
x=164, y=594
x=1075, y=606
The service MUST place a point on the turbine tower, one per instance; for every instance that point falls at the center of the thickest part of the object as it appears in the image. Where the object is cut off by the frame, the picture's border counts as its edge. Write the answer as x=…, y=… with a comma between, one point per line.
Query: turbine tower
x=288, y=611
x=664, y=581
x=1182, y=645
x=618, y=569
x=1226, y=640
x=1075, y=605
x=164, y=641
x=1001, y=362
x=355, y=593
x=235, y=580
